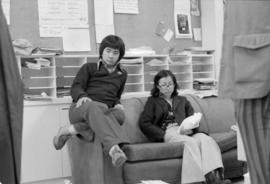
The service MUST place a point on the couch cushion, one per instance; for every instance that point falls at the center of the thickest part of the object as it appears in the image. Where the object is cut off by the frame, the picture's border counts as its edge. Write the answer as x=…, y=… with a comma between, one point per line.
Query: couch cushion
x=133, y=108
x=156, y=151
x=226, y=140
x=153, y=151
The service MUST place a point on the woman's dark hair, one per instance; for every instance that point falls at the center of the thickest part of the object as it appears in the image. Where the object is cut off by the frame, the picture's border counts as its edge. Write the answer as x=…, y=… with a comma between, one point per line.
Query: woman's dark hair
x=161, y=74
x=114, y=42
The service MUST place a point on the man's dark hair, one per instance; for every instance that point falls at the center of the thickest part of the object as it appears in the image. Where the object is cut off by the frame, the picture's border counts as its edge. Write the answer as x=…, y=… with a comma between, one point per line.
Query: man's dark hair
x=114, y=42
x=161, y=74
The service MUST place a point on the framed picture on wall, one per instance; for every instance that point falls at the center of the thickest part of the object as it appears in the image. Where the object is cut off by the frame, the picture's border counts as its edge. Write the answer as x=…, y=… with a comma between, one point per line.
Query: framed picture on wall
x=182, y=25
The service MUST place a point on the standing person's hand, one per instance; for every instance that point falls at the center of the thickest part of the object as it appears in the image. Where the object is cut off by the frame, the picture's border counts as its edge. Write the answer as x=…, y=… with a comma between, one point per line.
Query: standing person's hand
x=82, y=100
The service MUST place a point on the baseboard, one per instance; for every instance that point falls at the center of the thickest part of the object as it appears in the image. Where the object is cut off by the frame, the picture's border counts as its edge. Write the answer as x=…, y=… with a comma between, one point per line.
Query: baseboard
x=51, y=181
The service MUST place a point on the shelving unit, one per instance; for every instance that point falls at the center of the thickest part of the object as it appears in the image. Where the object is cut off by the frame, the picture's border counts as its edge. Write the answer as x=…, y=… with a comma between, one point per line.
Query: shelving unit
x=153, y=64
x=134, y=68
x=55, y=79
x=66, y=70
x=39, y=79
x=203, y=69
x=203, y=66
x=181, y=66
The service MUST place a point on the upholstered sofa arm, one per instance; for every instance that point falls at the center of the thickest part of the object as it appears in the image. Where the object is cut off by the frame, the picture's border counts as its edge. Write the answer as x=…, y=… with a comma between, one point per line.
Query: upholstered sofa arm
x=218, y=113
x=153, y=151
x=226, y=140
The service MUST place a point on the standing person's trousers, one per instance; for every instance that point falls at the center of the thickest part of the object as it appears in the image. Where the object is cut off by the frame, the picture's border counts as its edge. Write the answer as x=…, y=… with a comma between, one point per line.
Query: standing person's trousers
x=201, y=155
x=96, y=116
x=254, y=121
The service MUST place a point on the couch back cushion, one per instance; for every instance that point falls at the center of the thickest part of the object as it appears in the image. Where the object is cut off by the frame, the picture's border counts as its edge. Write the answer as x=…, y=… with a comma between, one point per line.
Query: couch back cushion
x=133, y=108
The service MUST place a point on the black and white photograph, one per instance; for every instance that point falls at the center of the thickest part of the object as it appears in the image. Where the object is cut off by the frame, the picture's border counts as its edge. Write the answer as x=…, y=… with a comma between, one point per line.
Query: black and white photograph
x=134, y=92
x=183, y=24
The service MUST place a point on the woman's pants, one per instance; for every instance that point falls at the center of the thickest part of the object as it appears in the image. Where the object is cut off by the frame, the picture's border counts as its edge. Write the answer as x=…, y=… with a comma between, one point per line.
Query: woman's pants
x=253, y=117
x=201, y=154
x=96, y=116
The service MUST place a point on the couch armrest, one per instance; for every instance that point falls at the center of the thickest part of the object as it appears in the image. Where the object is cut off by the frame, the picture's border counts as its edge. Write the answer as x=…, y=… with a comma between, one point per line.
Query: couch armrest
x=225, y=140
x=218, y=113
x=153, y=151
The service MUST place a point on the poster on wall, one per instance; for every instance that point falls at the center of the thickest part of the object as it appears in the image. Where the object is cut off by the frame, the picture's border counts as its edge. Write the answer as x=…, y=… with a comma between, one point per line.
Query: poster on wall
x=76, y=39
x=126, y=6
x=57, y=15
x=194, y=7
x=104, y=18
x=182, y=20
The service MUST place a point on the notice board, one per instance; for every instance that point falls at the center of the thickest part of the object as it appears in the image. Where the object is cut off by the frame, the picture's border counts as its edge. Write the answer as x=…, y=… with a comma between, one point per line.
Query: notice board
x=135, y=29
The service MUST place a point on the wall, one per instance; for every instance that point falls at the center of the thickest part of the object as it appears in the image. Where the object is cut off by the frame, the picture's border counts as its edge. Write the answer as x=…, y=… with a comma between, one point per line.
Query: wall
x=212, y=28
x=136, y=30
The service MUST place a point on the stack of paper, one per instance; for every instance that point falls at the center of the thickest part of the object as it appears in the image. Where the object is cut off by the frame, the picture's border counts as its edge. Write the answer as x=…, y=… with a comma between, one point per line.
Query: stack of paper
x=33, y=97
x=204, y=83
x=131, y=61
x=43, y=62
x=155, y=62
x=30, y=65
x=47, y=51
x=143, y=50
x=191, y=122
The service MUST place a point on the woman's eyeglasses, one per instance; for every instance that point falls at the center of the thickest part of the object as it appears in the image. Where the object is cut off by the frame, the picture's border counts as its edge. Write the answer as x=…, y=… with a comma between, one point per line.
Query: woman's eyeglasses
x=164, y=85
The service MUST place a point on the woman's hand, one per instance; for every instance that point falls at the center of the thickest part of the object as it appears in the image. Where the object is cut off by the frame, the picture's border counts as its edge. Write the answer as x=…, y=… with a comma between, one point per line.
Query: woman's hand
x=186, y=132
x=82, y=100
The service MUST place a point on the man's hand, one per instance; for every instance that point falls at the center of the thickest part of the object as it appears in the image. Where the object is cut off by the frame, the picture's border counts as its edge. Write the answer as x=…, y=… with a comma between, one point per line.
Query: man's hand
x=119, y=106
x=82, y=100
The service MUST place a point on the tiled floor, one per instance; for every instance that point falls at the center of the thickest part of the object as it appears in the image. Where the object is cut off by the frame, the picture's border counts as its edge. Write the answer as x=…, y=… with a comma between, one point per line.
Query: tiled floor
x=67, y=181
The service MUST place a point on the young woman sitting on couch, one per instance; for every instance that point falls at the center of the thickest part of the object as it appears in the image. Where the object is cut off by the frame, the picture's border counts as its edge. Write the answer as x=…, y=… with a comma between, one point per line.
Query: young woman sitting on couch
x=160, y=121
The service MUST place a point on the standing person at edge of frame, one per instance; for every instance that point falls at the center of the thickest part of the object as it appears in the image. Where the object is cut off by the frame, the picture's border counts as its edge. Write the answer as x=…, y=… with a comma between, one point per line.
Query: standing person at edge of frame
x=96, y=93
x=160, y=121
x=245, y=78
x=11, y=109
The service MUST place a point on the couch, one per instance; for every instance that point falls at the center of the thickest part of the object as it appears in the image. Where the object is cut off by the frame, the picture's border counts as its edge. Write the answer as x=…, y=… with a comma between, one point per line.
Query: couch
x=148, y=160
